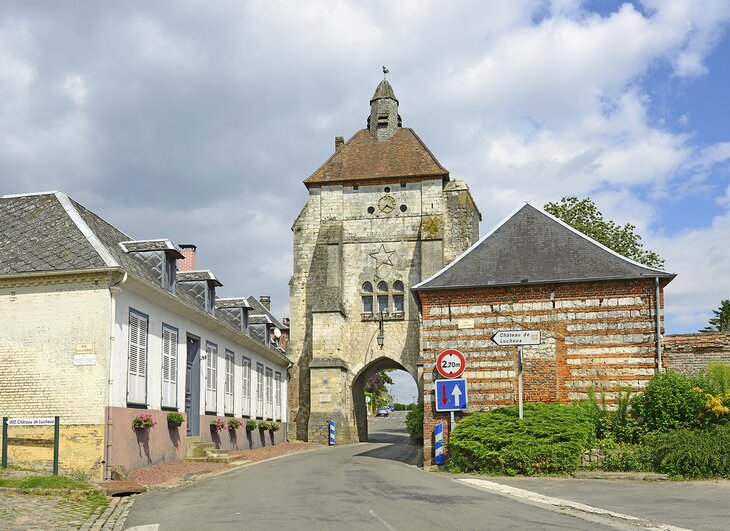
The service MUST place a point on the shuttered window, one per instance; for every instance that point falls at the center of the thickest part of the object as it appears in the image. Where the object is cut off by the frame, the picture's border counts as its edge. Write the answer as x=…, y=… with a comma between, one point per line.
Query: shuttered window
x=246, y=386
x=228, y=387
x=169, y=366
x=259, y=390
x=211, y=377
x=269, y=394
x=277, y=395
x=137, y=368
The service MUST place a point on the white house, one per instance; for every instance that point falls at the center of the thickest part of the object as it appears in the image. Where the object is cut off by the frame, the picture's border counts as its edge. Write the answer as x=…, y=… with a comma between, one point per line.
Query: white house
x=100, y=328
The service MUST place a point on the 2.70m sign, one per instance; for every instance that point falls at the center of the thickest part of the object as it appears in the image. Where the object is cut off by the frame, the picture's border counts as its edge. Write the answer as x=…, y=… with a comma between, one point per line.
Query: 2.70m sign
x=450, y=363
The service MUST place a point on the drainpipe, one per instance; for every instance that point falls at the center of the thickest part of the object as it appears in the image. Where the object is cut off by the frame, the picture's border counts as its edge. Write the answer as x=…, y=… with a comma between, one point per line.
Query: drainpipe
x=114, y=290
x=658, y=327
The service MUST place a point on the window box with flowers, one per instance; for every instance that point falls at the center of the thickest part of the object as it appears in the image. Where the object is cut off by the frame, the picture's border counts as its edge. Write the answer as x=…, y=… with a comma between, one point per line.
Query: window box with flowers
x=234, y=424
x=263, y=425
x=175, y=419
x=273, y=426
x=142, y=422
x=250, y=425
x=217, y=425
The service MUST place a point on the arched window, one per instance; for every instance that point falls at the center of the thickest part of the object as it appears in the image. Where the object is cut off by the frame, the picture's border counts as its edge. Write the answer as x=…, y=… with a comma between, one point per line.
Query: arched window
x=398, y=297
x=367, y=298
x=382, y=297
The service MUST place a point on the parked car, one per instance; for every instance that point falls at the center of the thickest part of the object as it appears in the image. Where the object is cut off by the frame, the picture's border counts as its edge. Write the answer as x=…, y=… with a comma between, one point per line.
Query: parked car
x=382, y=412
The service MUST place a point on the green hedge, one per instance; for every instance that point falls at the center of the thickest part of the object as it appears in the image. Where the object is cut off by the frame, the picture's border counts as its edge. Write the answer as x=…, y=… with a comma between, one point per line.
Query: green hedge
x=414, y=422
x=549, y=439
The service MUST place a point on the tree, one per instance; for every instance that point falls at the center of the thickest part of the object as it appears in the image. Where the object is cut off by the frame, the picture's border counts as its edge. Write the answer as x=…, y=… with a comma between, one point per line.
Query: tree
x=375, y=388
x=721, y=321
x=583, y=215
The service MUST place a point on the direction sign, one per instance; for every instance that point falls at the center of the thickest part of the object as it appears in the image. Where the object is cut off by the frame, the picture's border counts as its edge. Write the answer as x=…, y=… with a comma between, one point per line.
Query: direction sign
x=451, y=395
x=43, y=421
x=517, y=337
x=450, y=363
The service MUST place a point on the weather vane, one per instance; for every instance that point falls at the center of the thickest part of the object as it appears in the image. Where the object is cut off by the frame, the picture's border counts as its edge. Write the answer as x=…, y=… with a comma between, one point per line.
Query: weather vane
x=385, y=72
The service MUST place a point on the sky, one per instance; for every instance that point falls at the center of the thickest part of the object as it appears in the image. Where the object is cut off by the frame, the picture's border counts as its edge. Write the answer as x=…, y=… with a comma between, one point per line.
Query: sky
x=198, y=121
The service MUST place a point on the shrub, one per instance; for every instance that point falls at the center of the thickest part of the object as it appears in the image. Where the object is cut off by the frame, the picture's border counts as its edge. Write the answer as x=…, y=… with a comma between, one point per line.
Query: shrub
x=669, y=402
x=629, y=458
x=692, y=453
x=250, y=425
x=550, y=439
x=414, y=422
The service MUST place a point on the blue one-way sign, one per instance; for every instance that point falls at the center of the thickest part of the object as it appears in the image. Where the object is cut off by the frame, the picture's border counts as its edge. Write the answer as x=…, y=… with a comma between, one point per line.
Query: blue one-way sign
x=451, y=395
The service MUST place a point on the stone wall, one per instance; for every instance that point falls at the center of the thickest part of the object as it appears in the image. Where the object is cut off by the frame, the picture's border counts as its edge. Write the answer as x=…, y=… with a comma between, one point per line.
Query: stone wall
x=692, y=353
x=598, y=335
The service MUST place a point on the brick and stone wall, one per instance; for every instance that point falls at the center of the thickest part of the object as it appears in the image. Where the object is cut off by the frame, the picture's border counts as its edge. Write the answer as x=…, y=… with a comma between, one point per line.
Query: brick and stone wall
x=692, y=353
x=598, y=335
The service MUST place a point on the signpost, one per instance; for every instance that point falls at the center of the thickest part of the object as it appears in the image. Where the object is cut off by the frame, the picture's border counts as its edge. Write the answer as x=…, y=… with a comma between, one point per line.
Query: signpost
x=438, y=437
x=451, y=395
x=41, y=421
x=519, y=338
x=332, y=432
x=450, y=363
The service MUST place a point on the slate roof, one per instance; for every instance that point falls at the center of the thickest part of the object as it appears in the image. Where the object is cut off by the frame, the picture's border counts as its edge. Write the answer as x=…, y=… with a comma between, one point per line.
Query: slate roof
x=533, y=247
x=259, y=314
x=384, y=90
x=363, y=158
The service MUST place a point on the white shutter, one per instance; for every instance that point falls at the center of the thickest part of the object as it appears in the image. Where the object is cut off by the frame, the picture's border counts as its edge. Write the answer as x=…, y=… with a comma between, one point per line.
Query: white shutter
x=269, y=394
x=259, y=390
x=137, y=373
x=246, y=386
x=211, y=378
x=228, y=401
x=169, y=367
x=277, y=395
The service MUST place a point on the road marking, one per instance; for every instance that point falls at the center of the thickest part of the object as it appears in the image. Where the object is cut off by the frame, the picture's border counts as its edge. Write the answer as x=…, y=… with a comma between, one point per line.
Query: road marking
x=147, y=527
x=559, y=503
x=386, y=524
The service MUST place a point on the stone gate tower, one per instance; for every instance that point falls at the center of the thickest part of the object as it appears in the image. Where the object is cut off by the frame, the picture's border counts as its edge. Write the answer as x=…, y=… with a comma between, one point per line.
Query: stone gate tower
x=381, y=216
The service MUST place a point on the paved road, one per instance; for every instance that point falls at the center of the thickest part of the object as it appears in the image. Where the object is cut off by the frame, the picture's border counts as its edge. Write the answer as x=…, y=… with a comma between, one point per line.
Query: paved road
x=376, y=486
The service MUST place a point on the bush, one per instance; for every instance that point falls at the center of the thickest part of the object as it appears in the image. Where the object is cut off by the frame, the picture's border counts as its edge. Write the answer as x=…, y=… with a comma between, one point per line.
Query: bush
x=618, y=425
x=414, y=422
x=550, y=439
x=629, y=458
x=692, y=453
x=669, y=402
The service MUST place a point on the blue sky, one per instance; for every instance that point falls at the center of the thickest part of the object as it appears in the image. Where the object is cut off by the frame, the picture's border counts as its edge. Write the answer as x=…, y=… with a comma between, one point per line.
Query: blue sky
x=198, y=122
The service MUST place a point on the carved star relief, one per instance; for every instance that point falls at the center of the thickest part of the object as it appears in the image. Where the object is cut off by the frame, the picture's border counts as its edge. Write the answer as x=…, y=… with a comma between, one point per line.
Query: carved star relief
x=382, y=257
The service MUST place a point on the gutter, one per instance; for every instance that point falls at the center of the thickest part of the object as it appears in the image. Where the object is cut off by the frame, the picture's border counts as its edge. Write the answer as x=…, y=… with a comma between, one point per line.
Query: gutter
x=114, y=290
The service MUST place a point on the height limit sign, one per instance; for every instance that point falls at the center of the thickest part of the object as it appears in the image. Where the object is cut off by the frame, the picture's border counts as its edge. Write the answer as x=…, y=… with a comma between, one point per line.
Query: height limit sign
x=450, y=363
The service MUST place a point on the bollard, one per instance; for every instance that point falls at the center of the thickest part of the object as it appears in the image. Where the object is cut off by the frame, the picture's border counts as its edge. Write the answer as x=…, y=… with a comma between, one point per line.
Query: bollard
x=439, y=443
x=332, y=432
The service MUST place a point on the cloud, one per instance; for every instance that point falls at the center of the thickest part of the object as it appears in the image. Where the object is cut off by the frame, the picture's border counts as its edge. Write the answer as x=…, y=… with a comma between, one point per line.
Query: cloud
x=199, y=122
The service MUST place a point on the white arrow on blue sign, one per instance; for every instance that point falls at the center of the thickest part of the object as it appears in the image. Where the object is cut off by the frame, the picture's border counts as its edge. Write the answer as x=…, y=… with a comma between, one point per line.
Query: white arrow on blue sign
x=451, y=395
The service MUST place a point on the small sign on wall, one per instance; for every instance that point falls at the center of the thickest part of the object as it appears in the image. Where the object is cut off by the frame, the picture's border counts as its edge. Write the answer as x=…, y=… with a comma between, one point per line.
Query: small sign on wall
x=465, y=324
x=84, y=359
x=84, y=348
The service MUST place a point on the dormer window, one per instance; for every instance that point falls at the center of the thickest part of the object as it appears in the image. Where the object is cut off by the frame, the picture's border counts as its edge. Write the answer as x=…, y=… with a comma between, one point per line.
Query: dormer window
x=159, y=259
x=199, y=288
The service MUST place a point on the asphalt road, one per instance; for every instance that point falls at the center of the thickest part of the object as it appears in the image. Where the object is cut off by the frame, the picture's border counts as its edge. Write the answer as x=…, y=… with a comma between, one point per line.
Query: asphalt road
x=375, y=485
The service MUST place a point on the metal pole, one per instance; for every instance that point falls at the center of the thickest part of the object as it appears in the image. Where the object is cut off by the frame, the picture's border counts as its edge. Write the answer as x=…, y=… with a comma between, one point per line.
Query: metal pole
x=519, y=378
x=5, y=442
x=56, y=422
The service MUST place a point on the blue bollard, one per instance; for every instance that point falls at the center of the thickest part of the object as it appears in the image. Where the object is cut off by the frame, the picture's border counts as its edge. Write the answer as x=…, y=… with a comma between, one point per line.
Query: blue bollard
x=439, y=443
x=332, y=432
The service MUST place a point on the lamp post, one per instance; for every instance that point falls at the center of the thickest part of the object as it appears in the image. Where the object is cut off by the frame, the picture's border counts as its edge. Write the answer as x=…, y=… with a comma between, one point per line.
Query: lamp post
x=381, y=335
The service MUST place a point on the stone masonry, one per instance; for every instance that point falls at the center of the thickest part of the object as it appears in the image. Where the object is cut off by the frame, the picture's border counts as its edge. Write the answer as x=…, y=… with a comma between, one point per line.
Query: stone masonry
x=382, y=215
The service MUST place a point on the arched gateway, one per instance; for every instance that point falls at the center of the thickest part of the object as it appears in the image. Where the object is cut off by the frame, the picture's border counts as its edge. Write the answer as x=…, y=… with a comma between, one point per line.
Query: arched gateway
x=381, y=216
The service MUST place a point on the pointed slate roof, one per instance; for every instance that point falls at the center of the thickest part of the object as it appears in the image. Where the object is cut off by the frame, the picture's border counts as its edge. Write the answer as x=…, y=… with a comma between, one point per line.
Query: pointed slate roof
x=533, y=247
x=363, y=158
x=382, y=91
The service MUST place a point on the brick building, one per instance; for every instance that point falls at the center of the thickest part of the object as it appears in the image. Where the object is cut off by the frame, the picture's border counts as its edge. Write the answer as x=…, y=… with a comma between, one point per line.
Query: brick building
x=99, y=328
x=599, y=313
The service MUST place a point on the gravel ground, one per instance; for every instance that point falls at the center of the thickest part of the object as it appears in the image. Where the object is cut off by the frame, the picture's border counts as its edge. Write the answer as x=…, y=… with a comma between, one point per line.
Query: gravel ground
x=166, y=472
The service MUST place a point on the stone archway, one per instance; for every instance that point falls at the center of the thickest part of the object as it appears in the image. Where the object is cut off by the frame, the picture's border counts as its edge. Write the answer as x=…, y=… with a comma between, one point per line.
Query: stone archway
x=358, y=390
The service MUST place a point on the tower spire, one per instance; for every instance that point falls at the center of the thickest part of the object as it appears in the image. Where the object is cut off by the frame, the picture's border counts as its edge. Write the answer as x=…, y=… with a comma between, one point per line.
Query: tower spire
x=384, y=119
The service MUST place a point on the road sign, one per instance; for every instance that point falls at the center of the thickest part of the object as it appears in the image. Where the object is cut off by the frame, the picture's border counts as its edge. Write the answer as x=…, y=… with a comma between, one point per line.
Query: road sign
x=43, y=421
x=438, y=437
x=517, y=337
x=451, y=395
x=450, y=363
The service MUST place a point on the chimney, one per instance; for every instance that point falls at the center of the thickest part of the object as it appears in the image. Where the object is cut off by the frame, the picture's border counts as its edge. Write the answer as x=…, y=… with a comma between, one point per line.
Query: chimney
x=339, y=142
x=265, y=300
x=188, y=263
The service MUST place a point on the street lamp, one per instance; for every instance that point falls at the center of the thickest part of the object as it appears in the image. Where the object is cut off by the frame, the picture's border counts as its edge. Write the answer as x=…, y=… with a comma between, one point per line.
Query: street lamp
x=381, y=335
